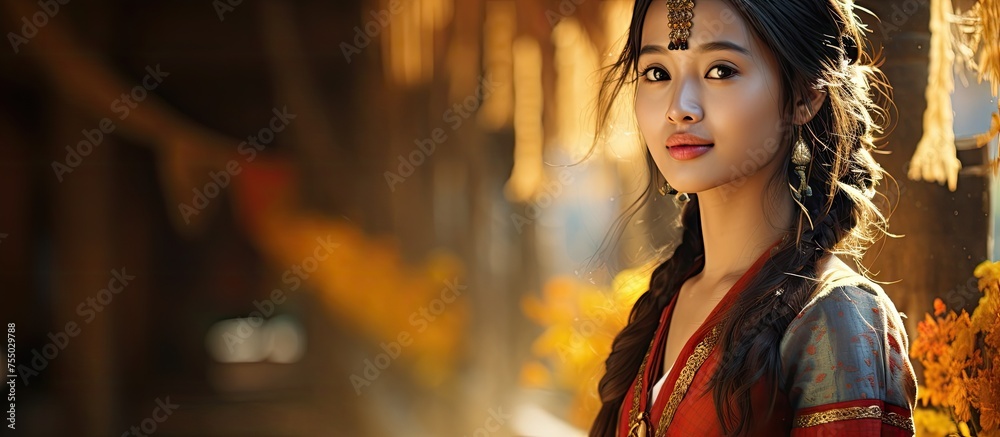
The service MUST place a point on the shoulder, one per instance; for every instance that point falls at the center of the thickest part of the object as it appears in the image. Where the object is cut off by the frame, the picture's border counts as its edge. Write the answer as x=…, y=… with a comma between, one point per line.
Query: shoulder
x=847, y=343
x=861, y=298
x=849, y=311
x=847, y=300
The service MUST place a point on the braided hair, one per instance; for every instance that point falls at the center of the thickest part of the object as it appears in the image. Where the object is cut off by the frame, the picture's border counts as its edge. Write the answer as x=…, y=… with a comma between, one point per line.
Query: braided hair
x=819, y=45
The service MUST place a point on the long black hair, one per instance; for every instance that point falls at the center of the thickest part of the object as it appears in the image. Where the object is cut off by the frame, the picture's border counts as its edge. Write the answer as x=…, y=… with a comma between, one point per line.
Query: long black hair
x=819, y=44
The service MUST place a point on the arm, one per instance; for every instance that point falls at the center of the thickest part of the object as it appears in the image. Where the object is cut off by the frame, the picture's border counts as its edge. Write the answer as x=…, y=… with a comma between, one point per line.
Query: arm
x=845, y=366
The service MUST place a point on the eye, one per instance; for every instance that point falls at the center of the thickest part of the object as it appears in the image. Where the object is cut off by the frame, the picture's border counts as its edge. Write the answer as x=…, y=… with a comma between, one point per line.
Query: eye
x=654, y=74
x=723, y=72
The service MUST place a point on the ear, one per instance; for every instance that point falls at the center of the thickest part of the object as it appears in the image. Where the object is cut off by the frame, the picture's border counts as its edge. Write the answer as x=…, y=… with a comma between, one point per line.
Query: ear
x=807, y=107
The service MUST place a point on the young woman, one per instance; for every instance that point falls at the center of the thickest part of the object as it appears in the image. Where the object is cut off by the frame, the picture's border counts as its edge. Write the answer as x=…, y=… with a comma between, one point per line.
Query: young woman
x=758, y=113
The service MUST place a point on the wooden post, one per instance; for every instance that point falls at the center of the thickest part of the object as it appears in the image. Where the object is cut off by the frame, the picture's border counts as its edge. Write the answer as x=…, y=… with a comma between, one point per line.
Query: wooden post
x=945, y=232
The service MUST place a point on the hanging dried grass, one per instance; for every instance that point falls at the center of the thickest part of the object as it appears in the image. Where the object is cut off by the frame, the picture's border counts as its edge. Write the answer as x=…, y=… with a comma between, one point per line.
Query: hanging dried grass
x=988, y=12
x=935, y=159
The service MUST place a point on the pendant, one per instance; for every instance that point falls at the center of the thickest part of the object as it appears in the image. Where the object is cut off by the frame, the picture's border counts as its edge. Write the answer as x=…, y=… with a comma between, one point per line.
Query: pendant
x=640, y=428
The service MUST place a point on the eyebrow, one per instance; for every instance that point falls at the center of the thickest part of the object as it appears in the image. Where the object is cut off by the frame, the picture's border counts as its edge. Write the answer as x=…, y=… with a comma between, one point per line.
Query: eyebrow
x=707, y=47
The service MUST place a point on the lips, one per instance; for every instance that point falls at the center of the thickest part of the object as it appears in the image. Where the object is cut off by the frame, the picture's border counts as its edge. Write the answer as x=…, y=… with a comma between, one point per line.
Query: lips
x=684, y=153
x=685, y=146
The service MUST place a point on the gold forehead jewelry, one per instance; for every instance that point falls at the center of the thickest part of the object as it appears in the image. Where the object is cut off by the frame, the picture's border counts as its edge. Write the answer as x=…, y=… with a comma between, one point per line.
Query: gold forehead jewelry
x=679, y=14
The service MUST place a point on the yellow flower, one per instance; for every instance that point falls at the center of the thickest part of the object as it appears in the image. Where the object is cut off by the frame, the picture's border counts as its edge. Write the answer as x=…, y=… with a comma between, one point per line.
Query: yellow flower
x=964, y=429
x=580, y=322
x=931, y=422
x=534, y=374
x=988, y=273
x=989, y=306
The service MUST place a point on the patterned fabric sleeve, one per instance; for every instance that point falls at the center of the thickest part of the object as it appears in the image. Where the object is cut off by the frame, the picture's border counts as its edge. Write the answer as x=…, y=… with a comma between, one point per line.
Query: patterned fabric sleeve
x=846, y=368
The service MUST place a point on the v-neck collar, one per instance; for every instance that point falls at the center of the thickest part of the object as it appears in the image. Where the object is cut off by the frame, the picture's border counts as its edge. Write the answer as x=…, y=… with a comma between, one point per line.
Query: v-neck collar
x=654, y=368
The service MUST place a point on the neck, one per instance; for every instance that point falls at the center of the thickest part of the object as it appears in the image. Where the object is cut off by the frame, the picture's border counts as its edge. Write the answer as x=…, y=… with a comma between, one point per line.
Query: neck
x=738, y=224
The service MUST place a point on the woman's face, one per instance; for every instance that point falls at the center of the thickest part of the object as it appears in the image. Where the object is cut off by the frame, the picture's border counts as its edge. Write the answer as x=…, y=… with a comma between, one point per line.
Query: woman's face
x=724, y=89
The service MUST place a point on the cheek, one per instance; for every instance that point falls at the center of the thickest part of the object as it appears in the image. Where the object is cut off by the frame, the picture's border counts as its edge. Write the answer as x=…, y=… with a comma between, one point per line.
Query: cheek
x=748, y=127
x=648, y=117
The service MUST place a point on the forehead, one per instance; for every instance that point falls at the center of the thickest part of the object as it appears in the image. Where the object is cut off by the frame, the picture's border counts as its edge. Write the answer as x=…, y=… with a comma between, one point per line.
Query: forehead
x=713, y=20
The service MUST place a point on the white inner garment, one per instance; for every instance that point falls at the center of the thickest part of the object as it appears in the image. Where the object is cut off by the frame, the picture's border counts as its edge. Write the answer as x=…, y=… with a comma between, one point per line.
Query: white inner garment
x=659, y=384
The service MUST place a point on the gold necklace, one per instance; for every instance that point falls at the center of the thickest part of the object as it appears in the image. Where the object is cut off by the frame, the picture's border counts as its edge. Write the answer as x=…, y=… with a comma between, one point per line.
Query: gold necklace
x=639, y=422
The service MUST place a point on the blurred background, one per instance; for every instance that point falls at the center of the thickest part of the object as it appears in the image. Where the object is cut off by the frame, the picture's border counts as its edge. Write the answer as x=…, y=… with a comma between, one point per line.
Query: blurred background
x=374, y=218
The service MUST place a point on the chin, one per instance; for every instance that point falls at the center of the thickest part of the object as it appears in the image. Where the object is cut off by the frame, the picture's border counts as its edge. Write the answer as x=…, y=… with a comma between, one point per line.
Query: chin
x=690, y=186
x=693, y=188
x=691, y=180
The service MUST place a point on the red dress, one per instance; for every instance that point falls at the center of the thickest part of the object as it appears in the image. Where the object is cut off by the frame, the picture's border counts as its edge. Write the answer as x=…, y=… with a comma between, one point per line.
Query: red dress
x=845, y=371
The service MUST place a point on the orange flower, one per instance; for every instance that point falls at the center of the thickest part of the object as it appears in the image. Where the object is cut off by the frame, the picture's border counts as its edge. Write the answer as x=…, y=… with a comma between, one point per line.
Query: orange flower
x=938, y=306
x=989, y=397
x=960, y=360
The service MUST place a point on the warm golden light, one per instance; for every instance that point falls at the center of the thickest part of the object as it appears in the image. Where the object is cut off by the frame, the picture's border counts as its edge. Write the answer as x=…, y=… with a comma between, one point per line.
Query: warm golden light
x=409, y=38
x=621, y=139
x=498, y=38
x=528, y=130
x=576, y=65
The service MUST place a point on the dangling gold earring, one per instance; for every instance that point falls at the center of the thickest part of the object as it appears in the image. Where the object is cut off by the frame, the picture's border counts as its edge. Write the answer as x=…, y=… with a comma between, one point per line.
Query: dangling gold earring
x=801, y=157
x=666, y=188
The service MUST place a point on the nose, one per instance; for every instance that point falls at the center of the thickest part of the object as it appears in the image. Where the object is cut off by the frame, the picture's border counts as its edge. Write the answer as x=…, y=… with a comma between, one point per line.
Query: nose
x=685, y=106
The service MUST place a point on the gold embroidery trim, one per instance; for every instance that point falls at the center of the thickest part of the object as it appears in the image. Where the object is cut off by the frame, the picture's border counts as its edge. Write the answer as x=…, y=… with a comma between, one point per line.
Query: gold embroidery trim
x=899, y=421
x=691, y=367
x=850, y=413
x=634, y=416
